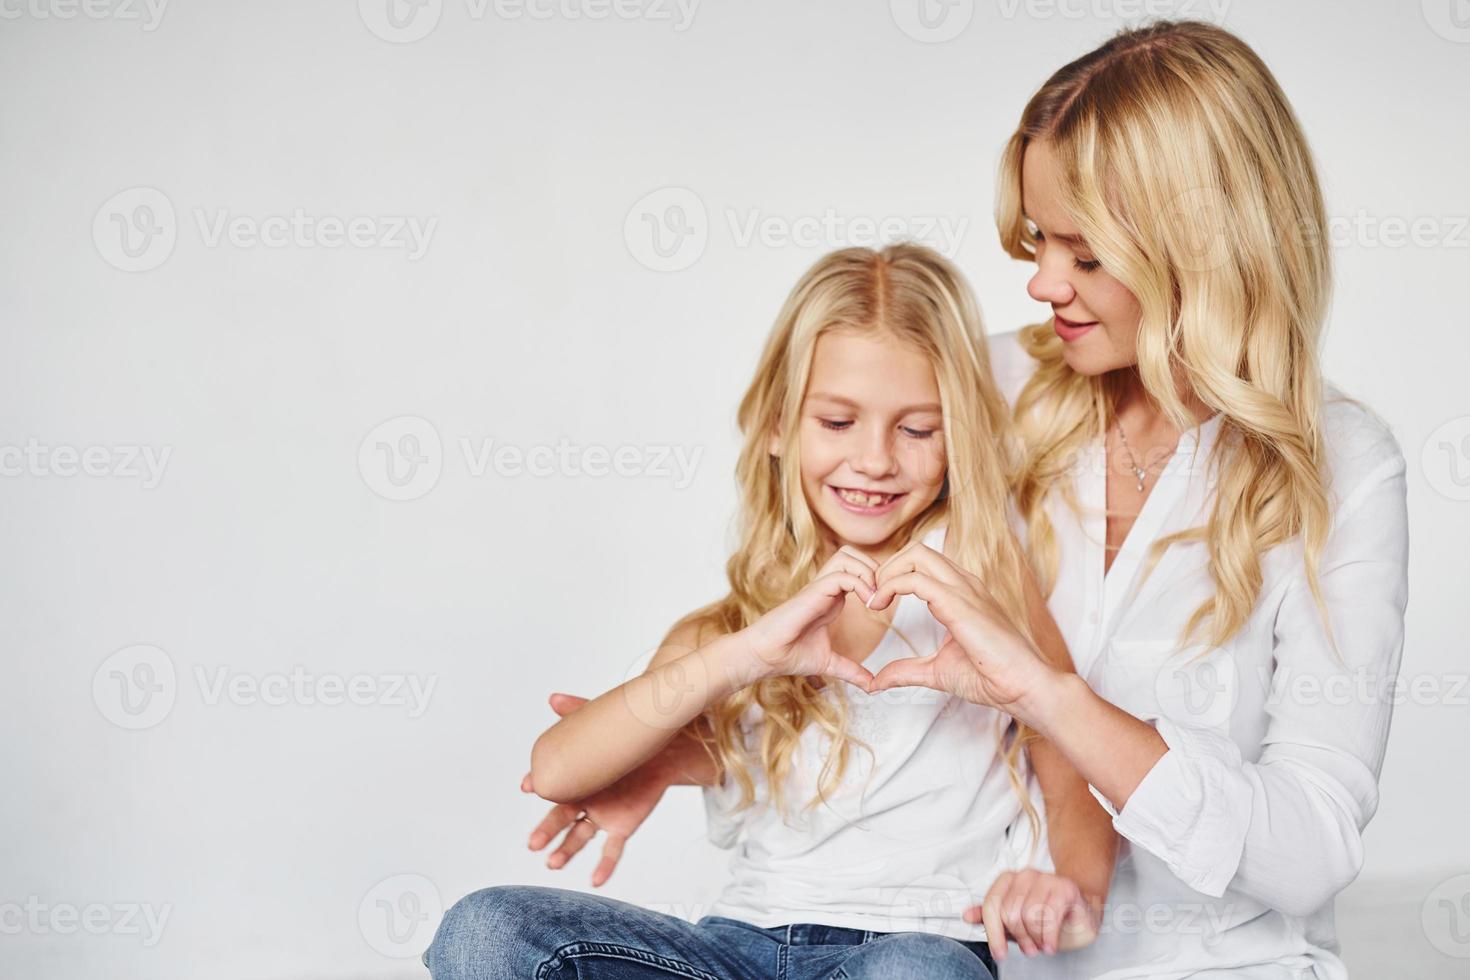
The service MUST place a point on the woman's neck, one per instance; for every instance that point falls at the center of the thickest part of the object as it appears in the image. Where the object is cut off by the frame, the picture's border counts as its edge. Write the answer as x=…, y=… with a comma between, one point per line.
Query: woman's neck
x=1138, y=412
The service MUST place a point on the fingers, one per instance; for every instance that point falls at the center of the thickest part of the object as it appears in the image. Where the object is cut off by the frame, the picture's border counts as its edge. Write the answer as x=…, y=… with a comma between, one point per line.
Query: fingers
x=920, y=584
x=847, y=670
x=582, y=831
x=526, y=786
x=906, y=672
x=612, y=853
x=995, y=929
x=834, y=584
x=565, y=704
x=848, y=559
x=1013, y=909
x=919, y=557
x=1056, y=901
x=552, y=824
x=1079, y=925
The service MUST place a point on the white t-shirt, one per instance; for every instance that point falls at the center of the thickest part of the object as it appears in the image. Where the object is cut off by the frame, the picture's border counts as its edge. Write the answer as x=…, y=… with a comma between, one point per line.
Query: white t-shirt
x=1237, y=840
x=903, y=846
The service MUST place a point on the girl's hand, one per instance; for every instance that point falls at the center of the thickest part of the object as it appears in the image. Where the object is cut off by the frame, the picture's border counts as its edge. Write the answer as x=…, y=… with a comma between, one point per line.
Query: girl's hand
x=1040, y=912
x=984, y=660
x=793, y=639
x=619, y=809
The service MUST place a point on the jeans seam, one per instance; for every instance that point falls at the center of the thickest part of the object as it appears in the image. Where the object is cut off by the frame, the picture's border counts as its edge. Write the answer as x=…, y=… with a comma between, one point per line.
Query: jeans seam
x=615, y=951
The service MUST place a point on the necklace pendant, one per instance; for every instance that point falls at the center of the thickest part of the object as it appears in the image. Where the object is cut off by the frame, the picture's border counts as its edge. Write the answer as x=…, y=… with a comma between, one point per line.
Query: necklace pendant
x=1140, y=474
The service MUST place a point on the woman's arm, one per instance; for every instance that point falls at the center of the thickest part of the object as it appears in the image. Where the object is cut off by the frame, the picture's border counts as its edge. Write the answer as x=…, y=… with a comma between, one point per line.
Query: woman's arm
x=1285, y=829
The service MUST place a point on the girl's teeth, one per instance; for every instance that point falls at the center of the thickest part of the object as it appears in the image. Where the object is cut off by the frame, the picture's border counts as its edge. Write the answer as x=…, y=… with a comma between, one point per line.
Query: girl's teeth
x=865, y=499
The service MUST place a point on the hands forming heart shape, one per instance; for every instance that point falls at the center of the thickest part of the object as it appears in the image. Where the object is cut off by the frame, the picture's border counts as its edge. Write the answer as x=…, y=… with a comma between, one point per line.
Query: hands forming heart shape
x=983, y=659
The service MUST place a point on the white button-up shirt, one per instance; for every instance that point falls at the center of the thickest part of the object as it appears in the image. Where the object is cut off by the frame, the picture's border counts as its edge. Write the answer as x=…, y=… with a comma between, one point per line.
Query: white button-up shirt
x=1235, y=843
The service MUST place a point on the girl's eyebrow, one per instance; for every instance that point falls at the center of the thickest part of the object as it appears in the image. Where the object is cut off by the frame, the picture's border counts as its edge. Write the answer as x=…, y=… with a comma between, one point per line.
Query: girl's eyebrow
x=927, y=407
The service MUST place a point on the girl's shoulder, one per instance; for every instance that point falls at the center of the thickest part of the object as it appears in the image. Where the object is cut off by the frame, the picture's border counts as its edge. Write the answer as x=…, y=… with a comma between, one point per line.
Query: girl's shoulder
x=934, y=537
x=1010, y=363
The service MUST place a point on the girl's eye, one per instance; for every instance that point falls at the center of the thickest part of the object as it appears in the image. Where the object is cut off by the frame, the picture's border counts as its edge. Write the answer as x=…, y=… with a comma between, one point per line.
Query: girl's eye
x=918, y=433
x=1091, y=265
x=835, y=426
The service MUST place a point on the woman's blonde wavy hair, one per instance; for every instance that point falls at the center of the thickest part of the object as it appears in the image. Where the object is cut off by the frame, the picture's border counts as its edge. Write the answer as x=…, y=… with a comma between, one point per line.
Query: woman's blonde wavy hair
x=1188, y=175
x=913, y=294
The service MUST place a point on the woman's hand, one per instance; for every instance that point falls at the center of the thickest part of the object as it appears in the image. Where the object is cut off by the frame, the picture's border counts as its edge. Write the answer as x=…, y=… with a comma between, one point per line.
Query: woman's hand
x=793, y=639
x=619, y=809
x=984, y=660
x=1040, y=912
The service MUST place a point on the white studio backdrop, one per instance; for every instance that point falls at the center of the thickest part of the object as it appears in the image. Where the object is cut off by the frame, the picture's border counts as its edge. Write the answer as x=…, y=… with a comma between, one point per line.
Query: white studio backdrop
x=370, y=373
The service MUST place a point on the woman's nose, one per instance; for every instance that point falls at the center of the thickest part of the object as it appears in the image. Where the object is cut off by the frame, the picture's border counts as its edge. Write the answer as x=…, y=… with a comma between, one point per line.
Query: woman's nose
x=1049, y=284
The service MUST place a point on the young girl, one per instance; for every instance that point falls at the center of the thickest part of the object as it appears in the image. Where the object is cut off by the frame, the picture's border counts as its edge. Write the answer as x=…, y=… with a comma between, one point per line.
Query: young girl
x=877, y=451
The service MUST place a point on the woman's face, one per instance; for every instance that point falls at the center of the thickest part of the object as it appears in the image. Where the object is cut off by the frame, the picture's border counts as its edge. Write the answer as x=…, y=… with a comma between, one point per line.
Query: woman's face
x=871, y=437
x=1096, y=317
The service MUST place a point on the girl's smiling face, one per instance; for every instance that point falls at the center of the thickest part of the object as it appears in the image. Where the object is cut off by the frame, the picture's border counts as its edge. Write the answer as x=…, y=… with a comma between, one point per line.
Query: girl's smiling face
x=1096, y=315
x=871, y=437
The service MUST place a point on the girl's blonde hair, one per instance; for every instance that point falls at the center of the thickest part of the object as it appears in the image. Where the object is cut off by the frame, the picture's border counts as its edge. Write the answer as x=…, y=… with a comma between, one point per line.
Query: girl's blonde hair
x=915, y=295
x=1190, y=180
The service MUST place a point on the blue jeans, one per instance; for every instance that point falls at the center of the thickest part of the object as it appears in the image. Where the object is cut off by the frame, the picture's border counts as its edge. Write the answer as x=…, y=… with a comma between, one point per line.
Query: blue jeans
x=528, y=932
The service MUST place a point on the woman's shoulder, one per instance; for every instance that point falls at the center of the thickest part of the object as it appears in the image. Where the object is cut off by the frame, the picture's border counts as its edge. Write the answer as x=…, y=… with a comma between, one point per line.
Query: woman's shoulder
x=1358, y=441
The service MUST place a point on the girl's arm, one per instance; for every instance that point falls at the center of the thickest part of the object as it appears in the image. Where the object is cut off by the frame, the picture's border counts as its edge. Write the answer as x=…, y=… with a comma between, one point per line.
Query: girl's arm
x=644, y=721
x=686, y=762
x=1042, y=912
x=1084, y=846
x=624, y=728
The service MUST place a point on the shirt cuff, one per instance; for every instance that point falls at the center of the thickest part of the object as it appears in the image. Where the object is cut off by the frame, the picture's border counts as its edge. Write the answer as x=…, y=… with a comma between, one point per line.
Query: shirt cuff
x=1192, y=809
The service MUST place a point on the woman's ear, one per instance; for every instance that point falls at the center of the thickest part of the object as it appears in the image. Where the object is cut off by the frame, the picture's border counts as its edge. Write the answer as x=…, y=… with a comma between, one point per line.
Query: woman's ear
x=773, y=443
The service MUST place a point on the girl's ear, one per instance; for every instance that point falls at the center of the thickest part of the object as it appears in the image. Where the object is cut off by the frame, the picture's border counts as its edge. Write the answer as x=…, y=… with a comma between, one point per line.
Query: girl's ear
x=773, y=443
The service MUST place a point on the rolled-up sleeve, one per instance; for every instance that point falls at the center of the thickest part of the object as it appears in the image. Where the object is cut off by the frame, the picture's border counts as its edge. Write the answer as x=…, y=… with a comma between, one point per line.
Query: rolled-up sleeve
x=1286, y=828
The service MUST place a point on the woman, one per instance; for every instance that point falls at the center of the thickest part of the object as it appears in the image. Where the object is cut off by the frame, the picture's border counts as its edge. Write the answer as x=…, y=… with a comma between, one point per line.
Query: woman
x=1221, y=536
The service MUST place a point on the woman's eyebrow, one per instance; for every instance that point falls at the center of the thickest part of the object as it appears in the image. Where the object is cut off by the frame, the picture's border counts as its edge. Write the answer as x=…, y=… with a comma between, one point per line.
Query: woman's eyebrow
x=839, y=399
x=1060, y=236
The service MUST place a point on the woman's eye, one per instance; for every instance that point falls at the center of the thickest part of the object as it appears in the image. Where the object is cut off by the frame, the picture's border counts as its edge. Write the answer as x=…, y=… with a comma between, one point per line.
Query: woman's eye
x=834, y=425
x=1088, y=265
x=918, y=433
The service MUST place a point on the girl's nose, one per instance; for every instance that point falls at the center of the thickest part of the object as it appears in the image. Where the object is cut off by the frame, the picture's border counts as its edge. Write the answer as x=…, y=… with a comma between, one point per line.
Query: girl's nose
x=875, y=456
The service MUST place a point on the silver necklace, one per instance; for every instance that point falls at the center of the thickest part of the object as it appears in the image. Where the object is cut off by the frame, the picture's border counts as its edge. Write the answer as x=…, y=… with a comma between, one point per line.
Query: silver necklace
x=1138, y=471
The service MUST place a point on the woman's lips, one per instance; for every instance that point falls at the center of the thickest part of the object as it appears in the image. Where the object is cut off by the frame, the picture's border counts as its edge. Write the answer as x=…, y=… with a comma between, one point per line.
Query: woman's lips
x=1070, y=330
x=855, y=508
